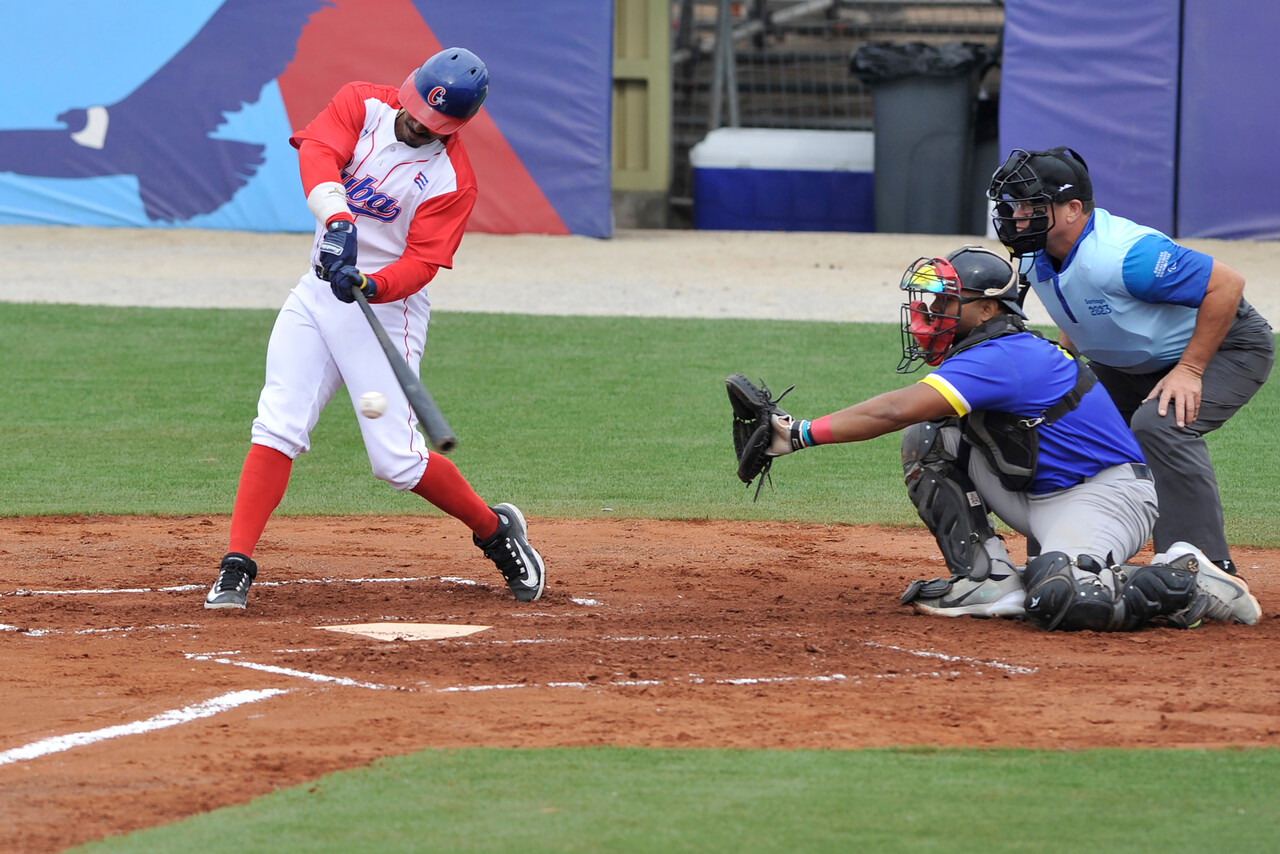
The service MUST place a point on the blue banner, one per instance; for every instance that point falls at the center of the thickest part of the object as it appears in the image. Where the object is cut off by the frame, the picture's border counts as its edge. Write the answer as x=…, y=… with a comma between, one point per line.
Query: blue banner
x=160, y=114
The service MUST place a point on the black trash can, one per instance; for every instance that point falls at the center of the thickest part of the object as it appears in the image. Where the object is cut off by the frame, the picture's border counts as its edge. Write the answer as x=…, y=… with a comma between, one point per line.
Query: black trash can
x=987, y=158
x=923, y=98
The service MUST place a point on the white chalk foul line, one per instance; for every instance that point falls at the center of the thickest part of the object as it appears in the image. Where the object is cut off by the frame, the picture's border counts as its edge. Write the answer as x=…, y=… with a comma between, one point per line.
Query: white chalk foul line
x=998, y=665
x=834, y=677
x=299, y=674
x=183, y=588
x=39, y=633
x=173, y=717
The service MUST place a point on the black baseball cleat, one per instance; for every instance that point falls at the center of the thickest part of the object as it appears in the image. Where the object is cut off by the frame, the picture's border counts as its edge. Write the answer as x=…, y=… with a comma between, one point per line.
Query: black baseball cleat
x=231, y=590
x=509, y=549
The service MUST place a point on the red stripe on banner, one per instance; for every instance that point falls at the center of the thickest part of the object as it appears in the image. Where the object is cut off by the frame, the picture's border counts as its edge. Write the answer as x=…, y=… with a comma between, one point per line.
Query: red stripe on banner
x=381, y=41
x=510, y=201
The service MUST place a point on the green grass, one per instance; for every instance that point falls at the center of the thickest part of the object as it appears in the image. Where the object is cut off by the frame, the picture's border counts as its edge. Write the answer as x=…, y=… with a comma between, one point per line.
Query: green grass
x=626, y=799
x=147, y=411
x=143, y=411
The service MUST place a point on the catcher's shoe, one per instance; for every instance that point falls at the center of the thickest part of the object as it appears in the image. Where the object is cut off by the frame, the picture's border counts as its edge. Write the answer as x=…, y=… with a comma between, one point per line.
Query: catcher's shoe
x=231, y=590
x=1229, y=599
x=995, y=596
x=509, y=549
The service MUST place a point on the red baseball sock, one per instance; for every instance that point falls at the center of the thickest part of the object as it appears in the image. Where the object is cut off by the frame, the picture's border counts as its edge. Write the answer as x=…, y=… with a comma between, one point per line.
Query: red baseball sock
x=445, y=487
x=262, y=483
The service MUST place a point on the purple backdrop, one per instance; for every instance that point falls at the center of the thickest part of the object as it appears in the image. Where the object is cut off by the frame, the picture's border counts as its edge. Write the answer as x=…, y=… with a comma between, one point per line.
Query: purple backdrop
x=1172, y=102
x=1101, y=77
x=1229, y=171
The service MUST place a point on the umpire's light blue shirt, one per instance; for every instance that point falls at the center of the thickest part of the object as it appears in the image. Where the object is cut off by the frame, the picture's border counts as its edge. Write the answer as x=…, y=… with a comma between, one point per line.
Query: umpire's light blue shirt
x=1126, y=295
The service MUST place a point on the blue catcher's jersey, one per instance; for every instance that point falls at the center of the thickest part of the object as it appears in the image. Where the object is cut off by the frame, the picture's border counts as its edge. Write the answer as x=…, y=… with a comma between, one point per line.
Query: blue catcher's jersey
x=1025, y=374
x=1126, y=295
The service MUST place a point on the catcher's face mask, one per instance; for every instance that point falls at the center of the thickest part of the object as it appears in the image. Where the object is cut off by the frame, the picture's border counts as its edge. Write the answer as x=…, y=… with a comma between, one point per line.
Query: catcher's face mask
x=931, y=313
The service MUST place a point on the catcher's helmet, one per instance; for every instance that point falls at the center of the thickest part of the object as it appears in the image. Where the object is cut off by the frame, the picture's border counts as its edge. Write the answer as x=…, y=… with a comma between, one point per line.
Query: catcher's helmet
x=988, y=276
x=970, y=274
x=1035, y=181
x=446, y=91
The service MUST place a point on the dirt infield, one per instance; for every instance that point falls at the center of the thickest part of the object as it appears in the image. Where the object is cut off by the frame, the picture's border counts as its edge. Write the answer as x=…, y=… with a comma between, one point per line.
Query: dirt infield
x=126, y=705
x=690, y=634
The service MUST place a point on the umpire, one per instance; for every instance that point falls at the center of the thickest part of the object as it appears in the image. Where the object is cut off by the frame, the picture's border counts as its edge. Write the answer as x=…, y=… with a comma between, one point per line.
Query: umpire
x=1166, y=329
x=1011, y=423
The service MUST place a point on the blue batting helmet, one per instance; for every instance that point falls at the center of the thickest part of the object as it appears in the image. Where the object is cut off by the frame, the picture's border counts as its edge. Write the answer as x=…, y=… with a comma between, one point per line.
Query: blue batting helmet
x=446, y=91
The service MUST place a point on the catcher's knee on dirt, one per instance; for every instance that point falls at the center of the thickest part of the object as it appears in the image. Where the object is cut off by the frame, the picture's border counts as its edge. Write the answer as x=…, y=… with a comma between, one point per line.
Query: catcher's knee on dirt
x=1160, y=591
x=1061, y=595
x=946, y=500
x=1071, y=595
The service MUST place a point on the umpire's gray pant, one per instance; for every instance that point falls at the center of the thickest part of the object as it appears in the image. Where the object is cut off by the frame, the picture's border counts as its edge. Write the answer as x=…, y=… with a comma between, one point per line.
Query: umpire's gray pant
x=1108, y=516
x=1190, y=507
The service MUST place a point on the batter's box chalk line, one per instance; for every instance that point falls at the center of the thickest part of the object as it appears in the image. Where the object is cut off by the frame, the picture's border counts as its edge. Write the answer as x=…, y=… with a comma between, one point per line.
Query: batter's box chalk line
x=921, y=653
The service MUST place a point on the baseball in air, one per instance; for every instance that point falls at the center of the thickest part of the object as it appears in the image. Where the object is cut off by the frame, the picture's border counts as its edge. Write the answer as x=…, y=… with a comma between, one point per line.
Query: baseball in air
x=373, y=404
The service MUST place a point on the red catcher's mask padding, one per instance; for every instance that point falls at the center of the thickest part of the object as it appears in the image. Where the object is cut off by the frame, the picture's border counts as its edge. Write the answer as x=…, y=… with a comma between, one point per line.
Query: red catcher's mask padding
x=932, y=332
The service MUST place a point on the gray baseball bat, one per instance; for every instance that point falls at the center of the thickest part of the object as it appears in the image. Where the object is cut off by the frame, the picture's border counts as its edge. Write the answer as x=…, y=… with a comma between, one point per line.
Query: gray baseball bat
x=429, y=415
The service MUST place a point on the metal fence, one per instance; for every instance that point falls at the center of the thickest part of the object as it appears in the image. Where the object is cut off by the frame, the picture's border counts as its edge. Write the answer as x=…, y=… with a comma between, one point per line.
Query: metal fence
x=786, y=63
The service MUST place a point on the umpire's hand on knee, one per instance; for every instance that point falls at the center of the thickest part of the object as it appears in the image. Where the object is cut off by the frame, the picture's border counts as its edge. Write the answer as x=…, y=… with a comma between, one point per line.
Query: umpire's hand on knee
x=1182, y=385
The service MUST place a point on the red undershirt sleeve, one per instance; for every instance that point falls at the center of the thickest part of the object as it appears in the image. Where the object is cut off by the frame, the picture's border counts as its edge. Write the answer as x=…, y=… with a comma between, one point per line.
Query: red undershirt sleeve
x=326, y=144
x=434, y=235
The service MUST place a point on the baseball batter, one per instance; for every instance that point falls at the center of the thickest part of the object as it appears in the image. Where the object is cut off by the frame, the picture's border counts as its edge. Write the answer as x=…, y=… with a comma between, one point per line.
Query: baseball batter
x=1166, y=329
x=388, y=180
x=1011, y=423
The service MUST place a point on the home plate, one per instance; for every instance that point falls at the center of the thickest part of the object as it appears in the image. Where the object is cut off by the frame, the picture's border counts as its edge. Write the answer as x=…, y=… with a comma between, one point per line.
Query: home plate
x=406, y=631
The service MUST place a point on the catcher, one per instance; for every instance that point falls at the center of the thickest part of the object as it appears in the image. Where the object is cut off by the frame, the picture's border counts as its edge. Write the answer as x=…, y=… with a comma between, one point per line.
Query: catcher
x=1009, y=423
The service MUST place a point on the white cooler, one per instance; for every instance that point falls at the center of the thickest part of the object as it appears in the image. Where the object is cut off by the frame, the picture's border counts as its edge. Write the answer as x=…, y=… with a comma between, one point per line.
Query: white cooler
x=767, y=179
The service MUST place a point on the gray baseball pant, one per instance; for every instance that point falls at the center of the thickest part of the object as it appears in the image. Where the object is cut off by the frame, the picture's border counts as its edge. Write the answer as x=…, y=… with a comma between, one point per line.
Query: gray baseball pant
x=1190, y=506
x=1108, y=516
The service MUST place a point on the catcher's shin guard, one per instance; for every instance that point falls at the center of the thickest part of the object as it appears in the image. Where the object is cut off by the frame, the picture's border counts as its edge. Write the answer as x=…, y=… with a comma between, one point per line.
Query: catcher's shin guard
x=946, y=500
x=1071, y=595
x=1167, y=591
x=1062, y=595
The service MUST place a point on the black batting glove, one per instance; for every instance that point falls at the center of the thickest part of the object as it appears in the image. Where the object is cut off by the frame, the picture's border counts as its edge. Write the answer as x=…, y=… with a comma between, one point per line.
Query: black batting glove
x=338, y=246
x=343, y=279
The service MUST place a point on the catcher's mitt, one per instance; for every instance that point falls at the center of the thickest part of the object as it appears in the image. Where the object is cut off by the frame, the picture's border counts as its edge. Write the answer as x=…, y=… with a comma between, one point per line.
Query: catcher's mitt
x=753, y=410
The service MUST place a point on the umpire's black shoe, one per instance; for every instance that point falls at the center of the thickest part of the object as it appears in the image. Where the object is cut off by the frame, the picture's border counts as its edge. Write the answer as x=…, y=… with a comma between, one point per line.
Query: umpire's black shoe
x=231, y=590
x=509, y=549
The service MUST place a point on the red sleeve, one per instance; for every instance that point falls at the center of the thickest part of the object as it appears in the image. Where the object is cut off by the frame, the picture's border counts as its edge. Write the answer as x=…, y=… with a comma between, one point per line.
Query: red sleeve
x=326, y=144
x=319, y=164
x=434, y=236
